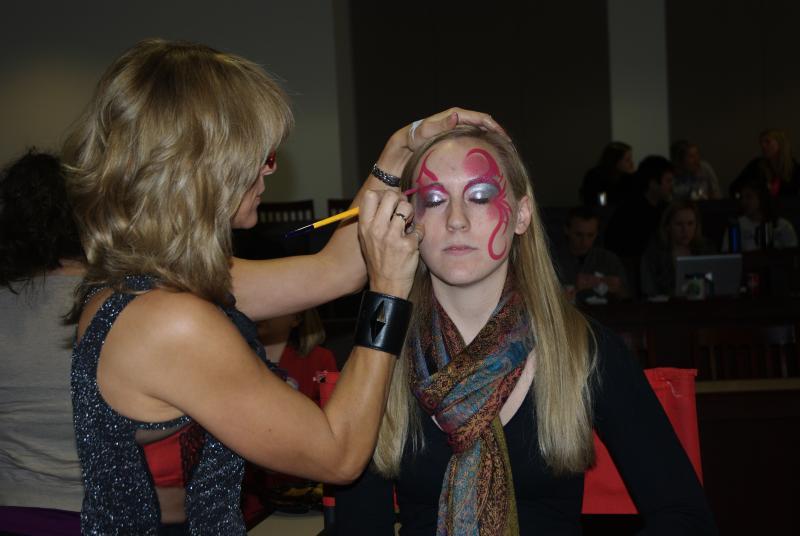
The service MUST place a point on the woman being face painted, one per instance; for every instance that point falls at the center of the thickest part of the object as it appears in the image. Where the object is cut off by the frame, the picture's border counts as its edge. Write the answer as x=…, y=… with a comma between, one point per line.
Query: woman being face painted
x=488, y=425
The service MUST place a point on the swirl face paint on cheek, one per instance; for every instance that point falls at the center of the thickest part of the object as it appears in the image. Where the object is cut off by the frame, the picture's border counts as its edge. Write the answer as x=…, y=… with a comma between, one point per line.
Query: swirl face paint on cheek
x=480, y=163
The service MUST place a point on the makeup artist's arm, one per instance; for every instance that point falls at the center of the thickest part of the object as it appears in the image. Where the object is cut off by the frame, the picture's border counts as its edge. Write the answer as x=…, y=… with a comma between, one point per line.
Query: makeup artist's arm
x=173, y=353
x=269, y=288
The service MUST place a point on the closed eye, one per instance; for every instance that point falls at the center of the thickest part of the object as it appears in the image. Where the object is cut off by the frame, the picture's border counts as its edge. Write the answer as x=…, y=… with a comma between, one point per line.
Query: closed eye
x=482, y=192
x=434, y=199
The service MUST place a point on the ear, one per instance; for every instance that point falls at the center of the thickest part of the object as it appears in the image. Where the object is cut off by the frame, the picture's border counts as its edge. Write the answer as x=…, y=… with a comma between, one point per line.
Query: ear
x=524, y=209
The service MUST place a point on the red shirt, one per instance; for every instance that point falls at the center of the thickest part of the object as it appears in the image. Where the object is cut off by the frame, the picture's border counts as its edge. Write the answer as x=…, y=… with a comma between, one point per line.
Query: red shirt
x=304, y=368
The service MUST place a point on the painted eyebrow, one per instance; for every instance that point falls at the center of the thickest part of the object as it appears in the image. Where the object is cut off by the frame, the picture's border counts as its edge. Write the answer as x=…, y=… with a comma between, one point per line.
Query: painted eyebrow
x=482, y=180
x=428, y=187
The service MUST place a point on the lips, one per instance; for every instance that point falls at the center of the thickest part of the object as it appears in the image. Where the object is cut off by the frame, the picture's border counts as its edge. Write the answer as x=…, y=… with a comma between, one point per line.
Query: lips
x=459, y=249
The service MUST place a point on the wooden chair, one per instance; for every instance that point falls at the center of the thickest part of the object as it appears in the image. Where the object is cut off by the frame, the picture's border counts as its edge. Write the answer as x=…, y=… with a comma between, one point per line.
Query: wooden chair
x=335, y=206
x=286, y=212
x=745, y=352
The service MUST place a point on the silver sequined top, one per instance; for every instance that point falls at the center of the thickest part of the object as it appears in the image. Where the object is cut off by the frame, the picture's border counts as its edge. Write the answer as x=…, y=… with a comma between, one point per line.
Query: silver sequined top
x=119, y=494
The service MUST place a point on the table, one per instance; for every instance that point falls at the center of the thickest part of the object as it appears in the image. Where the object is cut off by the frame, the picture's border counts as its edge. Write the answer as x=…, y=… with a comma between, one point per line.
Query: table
x=280, y=524
x=669, y=325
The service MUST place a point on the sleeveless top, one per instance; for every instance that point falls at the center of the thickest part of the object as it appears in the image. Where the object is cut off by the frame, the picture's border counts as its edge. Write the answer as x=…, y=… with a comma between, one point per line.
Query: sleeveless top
x=120, y=497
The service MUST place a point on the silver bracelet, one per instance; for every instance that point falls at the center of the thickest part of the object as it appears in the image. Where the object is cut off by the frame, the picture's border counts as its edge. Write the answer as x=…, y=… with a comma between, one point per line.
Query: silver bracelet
x=386, y=178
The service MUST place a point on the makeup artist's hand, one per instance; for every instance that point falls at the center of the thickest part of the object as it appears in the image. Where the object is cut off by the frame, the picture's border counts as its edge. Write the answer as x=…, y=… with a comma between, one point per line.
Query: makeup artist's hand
x=391, y=253
x=409, y=138
x=426, y=128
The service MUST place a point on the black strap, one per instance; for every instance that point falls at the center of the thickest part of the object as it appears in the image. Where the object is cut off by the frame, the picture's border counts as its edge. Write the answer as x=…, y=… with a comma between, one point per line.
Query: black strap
x=383, y=322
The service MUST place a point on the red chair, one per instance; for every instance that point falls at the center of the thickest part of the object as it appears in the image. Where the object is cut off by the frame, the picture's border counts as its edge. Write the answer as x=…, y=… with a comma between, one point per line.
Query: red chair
x=603, y=490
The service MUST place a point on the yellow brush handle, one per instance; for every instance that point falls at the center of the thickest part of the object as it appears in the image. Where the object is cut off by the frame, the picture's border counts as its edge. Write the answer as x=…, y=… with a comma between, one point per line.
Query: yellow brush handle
x=338, y=217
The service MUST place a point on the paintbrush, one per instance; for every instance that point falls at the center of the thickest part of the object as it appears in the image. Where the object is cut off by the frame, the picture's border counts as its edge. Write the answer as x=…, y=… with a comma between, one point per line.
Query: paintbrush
x=333, y=219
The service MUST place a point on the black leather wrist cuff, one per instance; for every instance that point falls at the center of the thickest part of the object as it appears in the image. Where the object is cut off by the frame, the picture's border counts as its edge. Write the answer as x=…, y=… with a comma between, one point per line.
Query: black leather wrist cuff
x=382, y=322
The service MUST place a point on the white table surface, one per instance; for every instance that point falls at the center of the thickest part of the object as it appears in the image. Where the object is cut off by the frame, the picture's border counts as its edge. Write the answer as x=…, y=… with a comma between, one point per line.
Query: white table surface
x=280, y=524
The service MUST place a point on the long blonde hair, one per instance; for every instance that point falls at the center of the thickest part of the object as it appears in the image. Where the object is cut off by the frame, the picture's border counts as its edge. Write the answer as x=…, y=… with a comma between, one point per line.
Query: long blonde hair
x=564, y=355
x=784, y=167
x=160, y=160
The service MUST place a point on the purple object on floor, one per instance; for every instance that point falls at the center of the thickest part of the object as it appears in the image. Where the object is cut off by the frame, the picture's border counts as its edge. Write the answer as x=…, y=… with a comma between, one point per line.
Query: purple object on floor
x=39, y=521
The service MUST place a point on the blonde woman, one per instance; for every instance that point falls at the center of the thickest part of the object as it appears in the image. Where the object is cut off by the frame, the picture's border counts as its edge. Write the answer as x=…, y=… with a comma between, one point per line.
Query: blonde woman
x=488, y=428
x=169, y=391
x=680, y=234
x=776, y=168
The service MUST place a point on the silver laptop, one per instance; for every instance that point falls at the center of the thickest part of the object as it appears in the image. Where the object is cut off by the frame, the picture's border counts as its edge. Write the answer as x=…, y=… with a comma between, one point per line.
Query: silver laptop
x=726, y=271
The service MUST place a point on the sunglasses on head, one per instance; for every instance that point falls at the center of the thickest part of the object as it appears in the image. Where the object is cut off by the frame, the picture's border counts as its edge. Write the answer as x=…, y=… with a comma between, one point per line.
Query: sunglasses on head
x=270, y=161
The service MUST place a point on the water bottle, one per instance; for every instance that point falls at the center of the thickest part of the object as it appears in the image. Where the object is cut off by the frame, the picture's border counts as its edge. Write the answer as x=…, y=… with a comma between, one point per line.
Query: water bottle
x=764, y=235
x=709, y=280
x=734, y=237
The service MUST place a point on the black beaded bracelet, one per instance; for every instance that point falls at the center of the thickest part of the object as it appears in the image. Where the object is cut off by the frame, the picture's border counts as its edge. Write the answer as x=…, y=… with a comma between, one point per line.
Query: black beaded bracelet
x=386, y=178
x=382, y=322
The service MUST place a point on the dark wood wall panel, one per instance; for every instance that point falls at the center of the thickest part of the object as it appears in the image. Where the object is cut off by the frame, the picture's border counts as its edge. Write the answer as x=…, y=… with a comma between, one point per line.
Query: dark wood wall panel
x=540, y=68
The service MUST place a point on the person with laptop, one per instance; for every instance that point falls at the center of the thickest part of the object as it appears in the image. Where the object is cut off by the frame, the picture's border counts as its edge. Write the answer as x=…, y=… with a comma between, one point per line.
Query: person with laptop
x=679, y=235
x=588, y=272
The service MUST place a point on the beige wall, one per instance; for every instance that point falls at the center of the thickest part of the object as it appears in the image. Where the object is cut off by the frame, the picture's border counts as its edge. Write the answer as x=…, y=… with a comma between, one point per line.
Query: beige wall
x=52, y=53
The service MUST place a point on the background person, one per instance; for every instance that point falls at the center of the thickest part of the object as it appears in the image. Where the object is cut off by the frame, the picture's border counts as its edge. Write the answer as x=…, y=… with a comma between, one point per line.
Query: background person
x=680, y=235
x=40, y=267
x=694, y=177
x=633, y=224
x=293, y=342
x=588, y=271
x=776, y=168
x=610, y=181
x=757, y=212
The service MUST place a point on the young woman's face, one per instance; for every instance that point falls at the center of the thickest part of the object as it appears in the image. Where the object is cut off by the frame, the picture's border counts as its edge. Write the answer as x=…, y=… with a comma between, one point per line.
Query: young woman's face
x=625, y=164
x=770, y=147
x=247, y=214
x=468, y=210
x=692, y=160
x=682, y=227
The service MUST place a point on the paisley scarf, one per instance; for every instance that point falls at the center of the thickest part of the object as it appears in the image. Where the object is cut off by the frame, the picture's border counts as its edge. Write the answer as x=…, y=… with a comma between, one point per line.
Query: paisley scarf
x=464, y=387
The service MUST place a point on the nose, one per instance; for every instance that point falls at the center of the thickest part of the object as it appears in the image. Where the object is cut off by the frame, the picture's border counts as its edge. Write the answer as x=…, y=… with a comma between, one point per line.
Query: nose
x=456, y=216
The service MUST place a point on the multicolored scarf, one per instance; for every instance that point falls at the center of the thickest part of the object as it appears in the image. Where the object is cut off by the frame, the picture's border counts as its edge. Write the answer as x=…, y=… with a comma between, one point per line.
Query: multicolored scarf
x=464, y=387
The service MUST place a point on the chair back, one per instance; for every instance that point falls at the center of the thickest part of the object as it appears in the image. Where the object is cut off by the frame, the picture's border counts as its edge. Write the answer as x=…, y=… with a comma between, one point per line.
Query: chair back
x=335, y=206
x=286, y=212
x=742, y=352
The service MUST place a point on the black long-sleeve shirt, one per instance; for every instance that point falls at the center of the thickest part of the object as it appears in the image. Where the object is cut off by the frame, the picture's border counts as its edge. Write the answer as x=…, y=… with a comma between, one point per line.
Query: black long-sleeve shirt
x=629, y=420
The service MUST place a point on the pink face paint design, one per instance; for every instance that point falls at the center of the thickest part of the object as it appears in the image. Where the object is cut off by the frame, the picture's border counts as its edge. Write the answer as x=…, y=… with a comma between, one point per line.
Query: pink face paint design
x=490, y=185
x=429, y=192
